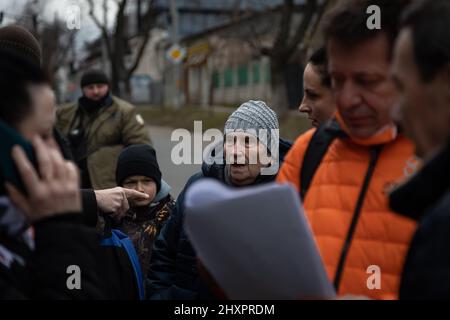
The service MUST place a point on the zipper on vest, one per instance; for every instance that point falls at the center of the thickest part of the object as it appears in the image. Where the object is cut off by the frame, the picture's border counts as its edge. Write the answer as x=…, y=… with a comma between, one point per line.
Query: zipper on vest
x=374, y=155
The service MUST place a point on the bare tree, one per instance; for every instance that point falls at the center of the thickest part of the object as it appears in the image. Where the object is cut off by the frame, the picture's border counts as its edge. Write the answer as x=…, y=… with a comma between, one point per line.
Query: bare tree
x=56, y=42
x=285, y=48
x=116, y=42
x=55, y=39
x=29, y=17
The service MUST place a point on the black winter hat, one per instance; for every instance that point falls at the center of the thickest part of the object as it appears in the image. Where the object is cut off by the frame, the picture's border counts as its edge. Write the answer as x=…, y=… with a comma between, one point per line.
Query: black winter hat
x=20, y=40
x=138, y=160
x=93, y=76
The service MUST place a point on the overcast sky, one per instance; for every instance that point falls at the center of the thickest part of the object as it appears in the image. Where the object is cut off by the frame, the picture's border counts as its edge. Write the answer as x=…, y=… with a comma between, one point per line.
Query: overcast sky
x=89, y=31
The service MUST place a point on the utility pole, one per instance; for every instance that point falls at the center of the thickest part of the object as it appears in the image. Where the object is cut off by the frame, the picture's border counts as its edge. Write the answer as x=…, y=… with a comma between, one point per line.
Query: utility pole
x=178, y=66
x=34, y=17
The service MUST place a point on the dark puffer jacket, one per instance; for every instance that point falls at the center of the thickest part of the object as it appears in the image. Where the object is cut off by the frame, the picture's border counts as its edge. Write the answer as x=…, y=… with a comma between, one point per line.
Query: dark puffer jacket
x=143, y=224
x=173, y=269
x=426, y=274
x=41, y=272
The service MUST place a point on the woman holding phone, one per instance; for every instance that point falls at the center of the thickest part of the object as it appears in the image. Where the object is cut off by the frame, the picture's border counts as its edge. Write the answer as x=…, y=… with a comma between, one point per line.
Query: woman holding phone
x=42, y=239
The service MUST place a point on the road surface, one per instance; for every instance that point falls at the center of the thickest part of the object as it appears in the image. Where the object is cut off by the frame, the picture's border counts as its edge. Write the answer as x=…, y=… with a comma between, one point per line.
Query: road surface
x=175, y=175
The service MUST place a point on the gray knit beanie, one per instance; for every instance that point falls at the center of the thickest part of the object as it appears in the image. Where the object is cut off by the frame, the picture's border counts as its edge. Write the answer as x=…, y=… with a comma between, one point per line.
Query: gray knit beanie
x=254, y=115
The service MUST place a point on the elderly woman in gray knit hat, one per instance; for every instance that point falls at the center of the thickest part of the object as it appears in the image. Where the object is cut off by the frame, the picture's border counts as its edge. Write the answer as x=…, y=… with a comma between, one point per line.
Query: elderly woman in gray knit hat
x=248, y=148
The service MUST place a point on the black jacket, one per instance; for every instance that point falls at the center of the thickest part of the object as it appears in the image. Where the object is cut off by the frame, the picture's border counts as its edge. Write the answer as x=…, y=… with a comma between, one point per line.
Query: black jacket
x=116, y=272
x=42, y=273
x=60, y=242
x=143, y=225
x=426, y=196
x=90, y=209
x=173, y=267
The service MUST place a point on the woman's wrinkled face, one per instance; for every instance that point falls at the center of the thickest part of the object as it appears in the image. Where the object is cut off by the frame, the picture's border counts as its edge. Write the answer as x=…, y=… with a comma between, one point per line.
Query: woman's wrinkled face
x=245, y=157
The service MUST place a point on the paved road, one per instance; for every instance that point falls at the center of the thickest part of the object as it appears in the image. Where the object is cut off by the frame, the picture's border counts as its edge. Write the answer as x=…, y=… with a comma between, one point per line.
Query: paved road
x=175, y=175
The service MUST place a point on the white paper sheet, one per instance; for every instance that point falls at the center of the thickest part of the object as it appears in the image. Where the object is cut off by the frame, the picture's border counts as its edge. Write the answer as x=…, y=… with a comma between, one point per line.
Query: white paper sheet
x=256, y=242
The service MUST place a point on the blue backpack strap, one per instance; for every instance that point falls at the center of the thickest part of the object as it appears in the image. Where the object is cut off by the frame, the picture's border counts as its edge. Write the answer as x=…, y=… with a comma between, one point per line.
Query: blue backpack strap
x=121, y=240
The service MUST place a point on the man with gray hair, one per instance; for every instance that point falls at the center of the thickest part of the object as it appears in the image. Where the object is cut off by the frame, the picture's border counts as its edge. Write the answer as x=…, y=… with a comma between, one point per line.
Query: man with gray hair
x=248, y=155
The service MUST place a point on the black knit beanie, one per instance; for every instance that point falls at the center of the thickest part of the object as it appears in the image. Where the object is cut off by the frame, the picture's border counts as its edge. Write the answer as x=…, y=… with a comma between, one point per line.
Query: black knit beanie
x=21, y=41
x=138, y=160
x=93, y=76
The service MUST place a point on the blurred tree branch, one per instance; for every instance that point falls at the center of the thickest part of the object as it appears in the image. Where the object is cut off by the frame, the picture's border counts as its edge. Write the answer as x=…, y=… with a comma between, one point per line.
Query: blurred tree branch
x=117, y=42
x=55, y=39
x=286, y=45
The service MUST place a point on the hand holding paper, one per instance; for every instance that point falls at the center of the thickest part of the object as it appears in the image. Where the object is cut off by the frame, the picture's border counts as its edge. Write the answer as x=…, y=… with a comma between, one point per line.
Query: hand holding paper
x=256, y=242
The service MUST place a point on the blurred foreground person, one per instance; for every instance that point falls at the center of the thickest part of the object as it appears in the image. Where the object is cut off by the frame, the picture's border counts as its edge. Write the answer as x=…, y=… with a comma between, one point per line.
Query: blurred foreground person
x=421, y=70
x=344, y=169
x=114, y=201
x=34, y=261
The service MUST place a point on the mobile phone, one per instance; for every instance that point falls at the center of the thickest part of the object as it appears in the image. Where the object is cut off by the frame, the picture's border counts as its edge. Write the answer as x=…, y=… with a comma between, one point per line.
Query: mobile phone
x=10, y=137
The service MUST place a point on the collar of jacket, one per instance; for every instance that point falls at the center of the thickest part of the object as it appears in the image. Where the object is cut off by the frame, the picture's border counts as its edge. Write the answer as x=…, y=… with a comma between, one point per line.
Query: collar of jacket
x=141, y=213
x=148, y=212
x=90, y=105
x=425, y=188
x=385, y=135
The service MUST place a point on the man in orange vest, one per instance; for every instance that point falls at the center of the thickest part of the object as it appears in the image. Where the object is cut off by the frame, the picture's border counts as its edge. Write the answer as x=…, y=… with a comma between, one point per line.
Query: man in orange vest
x=345, y=168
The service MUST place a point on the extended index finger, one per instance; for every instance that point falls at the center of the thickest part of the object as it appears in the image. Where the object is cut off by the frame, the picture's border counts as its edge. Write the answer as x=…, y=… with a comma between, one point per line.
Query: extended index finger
x=133, y=194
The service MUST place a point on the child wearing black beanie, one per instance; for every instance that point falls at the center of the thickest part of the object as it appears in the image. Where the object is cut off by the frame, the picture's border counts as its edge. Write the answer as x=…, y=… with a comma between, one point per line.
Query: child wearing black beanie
x=138, y=169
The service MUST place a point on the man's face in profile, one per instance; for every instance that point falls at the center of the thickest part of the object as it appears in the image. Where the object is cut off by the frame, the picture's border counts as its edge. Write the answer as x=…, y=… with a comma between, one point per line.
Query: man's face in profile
x=422, y=107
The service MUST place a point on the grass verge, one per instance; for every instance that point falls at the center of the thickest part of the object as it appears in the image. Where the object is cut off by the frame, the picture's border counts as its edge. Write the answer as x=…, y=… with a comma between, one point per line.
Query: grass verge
x=291, y=126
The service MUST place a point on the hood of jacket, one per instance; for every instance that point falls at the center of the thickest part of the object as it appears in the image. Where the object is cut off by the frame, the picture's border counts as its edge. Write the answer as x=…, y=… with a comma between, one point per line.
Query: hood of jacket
x=163, y=192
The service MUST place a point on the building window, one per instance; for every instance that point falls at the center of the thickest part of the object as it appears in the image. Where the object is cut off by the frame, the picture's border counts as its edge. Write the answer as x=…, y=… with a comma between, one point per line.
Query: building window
x=242, y=75
x=228, y=78
x=216, y=79
x=256, y=75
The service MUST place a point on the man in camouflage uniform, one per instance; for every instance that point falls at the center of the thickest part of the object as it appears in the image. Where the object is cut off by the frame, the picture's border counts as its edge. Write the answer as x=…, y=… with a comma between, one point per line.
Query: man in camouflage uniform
x=98, y=127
